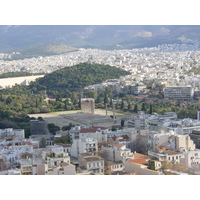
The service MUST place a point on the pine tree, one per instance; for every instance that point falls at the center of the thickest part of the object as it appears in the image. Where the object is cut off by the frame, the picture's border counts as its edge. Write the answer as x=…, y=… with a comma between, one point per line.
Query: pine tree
x=135, y=110
x=143, y=107
x=122, y=105
x=129, y=106
x=151, y=109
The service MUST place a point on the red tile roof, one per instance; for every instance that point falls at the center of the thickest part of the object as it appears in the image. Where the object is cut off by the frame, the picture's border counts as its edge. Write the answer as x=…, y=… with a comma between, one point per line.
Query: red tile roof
x=132, y=174
x=89, y=130
x=125, y=137
x=92, y=130
x=139, y=155
x=159, y=147
x=102, y=128
x=140, y=161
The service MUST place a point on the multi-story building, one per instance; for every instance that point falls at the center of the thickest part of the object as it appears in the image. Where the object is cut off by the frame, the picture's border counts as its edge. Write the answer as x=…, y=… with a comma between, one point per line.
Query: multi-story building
x=63, y=169
x=83, y=146
x=91, y=163
x=138, y=121
x=116, y=152
x=195, y=137
x=97, y=133
x=33, y=166
x=54, y=155
x=179, y=92
x=10, y=131
x=38, y=127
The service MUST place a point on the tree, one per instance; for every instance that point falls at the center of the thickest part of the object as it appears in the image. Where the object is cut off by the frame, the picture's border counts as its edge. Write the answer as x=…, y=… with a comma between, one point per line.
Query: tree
x=74, y=98
x=135, y=110
x=64, y=140
x=109, y=92
x=129, y=106
x=42, y=143
x=92, y=94
x=40, y=119
x=105, y=98
x=65, y=128
x=151, y=109
x=151, y=165
x=143, y=107
x=53, y=128
x=122, y=105
x=122, y=123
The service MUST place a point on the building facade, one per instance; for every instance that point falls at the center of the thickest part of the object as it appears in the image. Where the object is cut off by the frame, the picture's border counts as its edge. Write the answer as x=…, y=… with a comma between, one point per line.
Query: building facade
x=179, y=92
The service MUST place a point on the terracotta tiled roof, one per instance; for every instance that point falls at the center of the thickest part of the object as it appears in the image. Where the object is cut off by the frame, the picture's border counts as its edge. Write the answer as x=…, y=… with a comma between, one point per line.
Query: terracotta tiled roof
x=93, y=129
x=114, y=138
x=122, y=140
x=102, y=128
x=64, y=145
x=139, y=155
x=118, y=145
x=89, y=130
x=140, y=161
x=132, y=174
x=159, y=147
x=125, y=137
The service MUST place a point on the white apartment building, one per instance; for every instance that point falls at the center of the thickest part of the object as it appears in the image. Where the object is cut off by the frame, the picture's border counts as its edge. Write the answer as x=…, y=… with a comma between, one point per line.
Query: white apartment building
x=91, y=163
x=138, y=121
x=83, y=146
x=116, y=152
x=63, y=169
x=54, y=155
x=170, y=140
x=10, y=131
x=179, y=92
x=97, y=133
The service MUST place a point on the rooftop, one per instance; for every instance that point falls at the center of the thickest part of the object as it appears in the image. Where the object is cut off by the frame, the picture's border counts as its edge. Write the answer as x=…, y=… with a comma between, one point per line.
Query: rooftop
x=139, y=155
x=93, y=158
x=172, y=152
x=140, y=161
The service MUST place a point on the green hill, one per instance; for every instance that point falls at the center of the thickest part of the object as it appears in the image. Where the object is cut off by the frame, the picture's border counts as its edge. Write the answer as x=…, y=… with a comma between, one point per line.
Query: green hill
x=73, y=79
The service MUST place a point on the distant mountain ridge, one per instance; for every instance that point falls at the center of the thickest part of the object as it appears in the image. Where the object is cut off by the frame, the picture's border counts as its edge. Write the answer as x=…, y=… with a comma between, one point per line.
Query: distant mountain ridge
x=95, y=36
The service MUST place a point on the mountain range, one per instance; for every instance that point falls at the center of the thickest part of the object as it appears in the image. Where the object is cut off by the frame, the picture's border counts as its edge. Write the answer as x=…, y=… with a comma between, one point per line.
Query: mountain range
x=95, y=36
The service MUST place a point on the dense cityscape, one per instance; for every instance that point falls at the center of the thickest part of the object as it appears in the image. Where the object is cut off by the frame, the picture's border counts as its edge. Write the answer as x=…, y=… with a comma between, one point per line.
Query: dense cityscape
x=138, y=143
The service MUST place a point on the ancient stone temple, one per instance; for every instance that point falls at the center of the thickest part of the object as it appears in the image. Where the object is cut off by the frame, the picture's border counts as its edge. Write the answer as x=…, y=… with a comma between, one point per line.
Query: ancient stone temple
x=87, y=105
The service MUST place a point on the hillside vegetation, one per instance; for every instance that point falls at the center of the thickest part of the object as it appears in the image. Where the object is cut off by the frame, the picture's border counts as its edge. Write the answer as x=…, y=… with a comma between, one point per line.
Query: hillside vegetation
x=42, y=50
x=73, y=79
